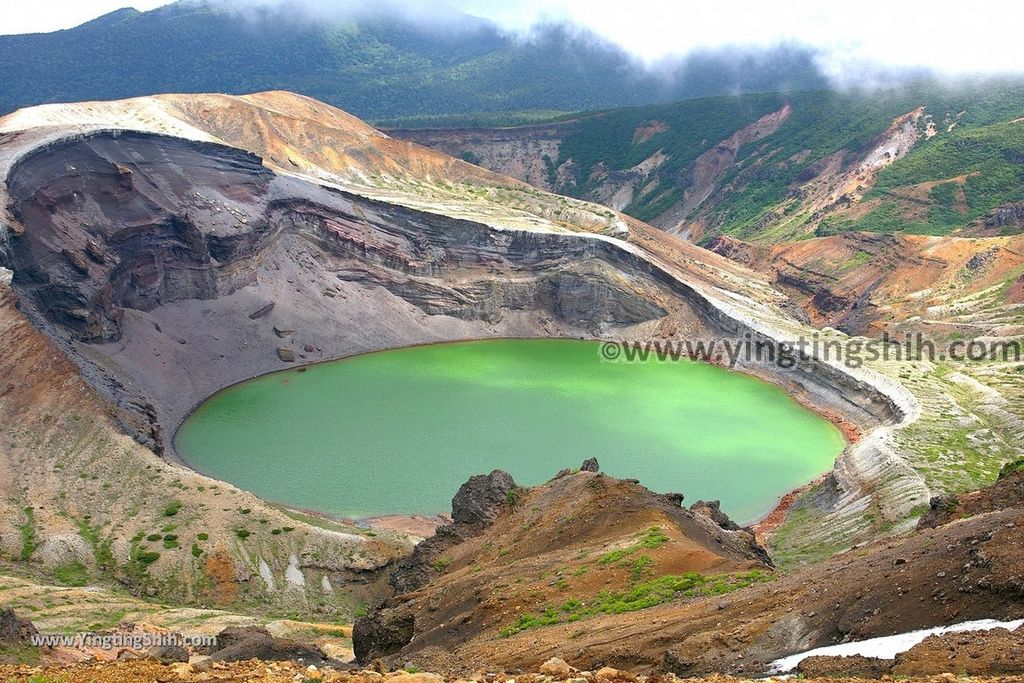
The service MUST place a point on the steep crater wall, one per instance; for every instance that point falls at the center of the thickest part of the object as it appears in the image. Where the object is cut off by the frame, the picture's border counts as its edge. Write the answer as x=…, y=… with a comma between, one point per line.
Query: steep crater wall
x=170, y=268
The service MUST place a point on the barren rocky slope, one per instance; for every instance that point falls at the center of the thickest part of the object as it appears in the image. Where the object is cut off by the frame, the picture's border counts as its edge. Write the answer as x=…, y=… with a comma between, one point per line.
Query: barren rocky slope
x=510, y=552
x=571, y=587
x=867, y=284
x=82, y=501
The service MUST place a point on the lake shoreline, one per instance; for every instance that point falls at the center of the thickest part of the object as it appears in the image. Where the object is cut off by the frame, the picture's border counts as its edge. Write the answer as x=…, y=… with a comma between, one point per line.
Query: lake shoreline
x=641, y=420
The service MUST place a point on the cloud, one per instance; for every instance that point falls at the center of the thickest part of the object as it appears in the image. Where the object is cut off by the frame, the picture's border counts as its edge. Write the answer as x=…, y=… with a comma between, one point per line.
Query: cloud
x=53, y=15
x=854, y=42
x=895, y=34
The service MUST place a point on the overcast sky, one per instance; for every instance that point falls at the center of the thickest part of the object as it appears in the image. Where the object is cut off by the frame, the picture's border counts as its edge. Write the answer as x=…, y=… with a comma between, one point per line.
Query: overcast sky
x=952, y=38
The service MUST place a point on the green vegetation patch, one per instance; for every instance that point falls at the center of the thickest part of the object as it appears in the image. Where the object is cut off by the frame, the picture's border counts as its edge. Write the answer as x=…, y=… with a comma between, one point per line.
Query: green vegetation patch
x=72, y=574
x=1011, y=467
x=652, y=538
x=19, y=654
x=29, y=539
x=172, y=508
x=641, y=596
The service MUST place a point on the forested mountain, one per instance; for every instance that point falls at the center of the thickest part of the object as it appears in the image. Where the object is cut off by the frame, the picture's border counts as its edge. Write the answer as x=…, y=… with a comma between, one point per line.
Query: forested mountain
x=927, y=158
x=375, y=65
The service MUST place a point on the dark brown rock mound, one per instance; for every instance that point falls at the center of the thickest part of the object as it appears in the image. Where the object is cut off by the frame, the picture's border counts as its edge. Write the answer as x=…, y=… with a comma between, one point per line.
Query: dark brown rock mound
x=168, y=654
x=481, y=499
x=976, y=653
x=854, y=666
x=476, y=504
x=1007, y=492
x=237, y=644
x=383, y=633
x=14, y=630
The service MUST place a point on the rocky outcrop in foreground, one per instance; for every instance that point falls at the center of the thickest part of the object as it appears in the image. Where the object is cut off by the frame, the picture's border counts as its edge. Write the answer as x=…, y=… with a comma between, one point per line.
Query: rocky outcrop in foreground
x=14, y=630
x=583, y=569
x=287, y=672
x=974, y=653
x=510, y=552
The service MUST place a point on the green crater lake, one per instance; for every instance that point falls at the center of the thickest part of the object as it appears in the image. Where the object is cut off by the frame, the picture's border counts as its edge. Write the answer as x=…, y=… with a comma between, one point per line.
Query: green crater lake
x=397, y=432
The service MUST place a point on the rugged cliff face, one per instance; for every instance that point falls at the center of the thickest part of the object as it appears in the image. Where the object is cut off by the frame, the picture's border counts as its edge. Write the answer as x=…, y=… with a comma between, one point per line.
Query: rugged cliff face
x=869, y=284
x=128, y=220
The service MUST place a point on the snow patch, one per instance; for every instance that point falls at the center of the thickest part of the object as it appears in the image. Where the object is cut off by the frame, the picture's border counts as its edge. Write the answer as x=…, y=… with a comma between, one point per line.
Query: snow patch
x=293, y=574
x=889, y=646
x=267, y=575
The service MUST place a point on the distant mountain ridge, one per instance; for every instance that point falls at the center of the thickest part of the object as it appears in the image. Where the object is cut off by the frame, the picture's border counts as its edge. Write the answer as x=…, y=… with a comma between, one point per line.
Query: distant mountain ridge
x=378, y=65
x=926, y=158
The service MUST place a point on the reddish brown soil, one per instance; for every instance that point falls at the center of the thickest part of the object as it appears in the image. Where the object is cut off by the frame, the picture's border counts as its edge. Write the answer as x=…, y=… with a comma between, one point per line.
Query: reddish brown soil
x=860, y=281
x=1008, y=492
x=646, y=131
x=570, y=539
x=220, y=569
x=149, y=671
x=987, y=653
x=764, y=528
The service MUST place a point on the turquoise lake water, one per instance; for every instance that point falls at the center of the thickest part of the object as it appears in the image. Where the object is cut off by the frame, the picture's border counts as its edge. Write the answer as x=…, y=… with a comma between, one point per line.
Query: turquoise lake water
x=398, y=431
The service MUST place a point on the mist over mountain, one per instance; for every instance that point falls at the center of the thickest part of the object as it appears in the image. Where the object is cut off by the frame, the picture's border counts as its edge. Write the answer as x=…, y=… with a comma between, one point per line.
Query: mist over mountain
x=376, y=62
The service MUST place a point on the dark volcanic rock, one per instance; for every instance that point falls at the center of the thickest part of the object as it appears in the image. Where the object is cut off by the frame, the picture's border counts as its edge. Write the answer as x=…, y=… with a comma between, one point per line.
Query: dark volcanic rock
x=1007, y=492
x=239, y=644
x=168, y=654
x=675, y=498
x=477, y=503
x=480, y=499
x=590, y=465
x=1011, y=214
x=672, y=662
x=233, y=635
x=844, y=667
x=383, y=633
x=14, y=629
x=262, y=311
x=940, y=510
x=712, y=509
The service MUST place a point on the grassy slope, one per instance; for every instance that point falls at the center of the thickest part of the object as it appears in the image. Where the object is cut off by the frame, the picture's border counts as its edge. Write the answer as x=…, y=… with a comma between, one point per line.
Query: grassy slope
x=976, y=170
x=974, y=136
